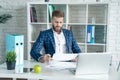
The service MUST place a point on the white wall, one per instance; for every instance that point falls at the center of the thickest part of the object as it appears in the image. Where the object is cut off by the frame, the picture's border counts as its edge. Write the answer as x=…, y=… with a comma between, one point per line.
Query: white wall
x=114, y=26
x=18, y=23
x=114, y=29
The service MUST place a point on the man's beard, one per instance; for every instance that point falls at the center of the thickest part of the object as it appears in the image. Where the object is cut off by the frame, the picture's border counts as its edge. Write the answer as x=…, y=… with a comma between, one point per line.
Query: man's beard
x=57, y=29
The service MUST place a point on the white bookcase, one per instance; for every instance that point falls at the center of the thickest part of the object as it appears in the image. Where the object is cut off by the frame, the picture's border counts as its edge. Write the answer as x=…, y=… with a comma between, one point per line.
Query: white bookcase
x=78, y=16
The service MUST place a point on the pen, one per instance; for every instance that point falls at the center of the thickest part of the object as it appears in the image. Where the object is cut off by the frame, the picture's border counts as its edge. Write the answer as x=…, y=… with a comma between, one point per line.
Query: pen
x=118, y=66
x=67, y=61
x=110, y=61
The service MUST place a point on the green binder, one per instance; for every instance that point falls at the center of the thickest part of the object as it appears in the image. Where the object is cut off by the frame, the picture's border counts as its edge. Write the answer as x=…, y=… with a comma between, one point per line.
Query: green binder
x=51, y=9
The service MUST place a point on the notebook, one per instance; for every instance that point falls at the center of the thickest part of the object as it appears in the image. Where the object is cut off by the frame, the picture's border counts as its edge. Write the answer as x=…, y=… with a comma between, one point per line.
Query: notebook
x=92, y=65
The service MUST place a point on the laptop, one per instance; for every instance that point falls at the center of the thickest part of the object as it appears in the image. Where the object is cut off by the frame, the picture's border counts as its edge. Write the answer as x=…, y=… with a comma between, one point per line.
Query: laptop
x=92, y=65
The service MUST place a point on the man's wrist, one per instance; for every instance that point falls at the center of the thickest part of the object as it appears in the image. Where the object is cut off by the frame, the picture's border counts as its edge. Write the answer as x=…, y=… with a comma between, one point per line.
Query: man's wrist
x=41, y=59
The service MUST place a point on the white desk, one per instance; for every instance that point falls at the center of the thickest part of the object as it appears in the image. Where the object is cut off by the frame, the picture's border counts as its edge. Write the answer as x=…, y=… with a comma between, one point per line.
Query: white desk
x=46, y=73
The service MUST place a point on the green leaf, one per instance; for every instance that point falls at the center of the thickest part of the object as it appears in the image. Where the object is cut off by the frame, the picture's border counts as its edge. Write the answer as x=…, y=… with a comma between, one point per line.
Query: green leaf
x=5, y=17
x=11, y=56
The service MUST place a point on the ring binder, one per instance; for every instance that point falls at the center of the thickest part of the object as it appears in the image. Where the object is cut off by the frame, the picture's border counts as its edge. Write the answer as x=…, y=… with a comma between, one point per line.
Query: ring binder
x=15, y=42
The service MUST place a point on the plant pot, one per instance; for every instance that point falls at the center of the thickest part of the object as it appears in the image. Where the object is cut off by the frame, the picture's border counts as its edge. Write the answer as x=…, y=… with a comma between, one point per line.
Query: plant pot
x=10, y=65
x=46, y=0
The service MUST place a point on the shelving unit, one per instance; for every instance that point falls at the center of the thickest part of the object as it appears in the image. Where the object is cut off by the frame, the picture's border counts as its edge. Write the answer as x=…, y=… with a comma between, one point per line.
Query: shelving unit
x=78, y=17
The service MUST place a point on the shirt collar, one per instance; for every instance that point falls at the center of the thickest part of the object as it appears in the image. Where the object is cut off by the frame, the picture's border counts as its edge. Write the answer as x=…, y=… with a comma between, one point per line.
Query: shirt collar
x=56, y=32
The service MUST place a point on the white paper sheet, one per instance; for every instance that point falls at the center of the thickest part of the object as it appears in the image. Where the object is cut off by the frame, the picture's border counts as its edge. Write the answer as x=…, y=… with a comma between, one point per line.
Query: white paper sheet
x=62, y=61
x=64, y=57
x=61, y=65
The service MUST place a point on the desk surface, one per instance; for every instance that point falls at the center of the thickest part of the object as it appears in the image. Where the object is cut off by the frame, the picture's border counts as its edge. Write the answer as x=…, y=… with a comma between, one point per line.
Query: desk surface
x=46, y=73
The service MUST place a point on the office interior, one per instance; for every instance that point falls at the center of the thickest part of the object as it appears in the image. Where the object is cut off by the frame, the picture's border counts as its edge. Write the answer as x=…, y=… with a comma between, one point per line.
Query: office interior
x=18, y=23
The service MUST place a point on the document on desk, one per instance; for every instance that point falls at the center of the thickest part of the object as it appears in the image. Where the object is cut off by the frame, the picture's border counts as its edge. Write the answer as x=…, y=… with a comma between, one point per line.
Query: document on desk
x=61, y=65
x=62, y=61
x=64, y=57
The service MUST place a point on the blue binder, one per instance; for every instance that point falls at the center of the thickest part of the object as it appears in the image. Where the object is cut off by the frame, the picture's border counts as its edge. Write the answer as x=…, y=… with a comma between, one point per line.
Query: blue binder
x=90, y=34
x=15, y=42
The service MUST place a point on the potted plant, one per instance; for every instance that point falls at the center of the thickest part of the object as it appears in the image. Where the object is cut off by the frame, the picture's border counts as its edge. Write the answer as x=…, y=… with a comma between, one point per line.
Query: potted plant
x=4, y=18
x=11, y=60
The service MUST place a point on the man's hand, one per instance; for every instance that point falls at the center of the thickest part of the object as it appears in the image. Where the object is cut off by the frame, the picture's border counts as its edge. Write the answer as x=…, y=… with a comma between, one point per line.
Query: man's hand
x=75, y=59
x=46, y=58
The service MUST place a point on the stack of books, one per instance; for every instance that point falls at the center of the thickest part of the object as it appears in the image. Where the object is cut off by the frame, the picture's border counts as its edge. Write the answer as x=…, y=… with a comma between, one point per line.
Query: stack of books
x=33, y=14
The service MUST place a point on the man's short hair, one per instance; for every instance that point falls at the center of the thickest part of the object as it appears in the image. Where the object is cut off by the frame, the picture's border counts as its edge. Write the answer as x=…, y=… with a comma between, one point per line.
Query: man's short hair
x=57, y=13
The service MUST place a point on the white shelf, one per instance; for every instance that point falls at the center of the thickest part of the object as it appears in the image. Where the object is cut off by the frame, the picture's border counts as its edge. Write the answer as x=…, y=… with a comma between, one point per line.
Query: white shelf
x=78, y=16
x=77, y=23
x=37, y=23
x=97, y=24
x=98, y=44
